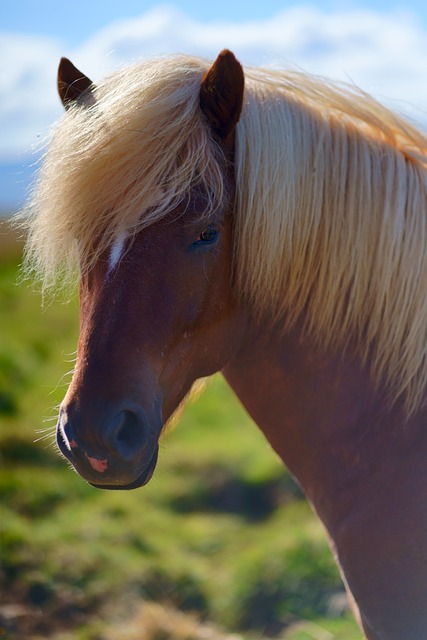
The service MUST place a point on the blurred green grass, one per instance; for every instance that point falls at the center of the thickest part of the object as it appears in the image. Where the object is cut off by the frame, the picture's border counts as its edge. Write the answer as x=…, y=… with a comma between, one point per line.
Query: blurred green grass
x=222, y=530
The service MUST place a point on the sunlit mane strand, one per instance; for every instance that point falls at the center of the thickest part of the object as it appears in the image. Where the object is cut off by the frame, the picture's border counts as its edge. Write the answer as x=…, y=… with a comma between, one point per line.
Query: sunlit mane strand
x=331, y=209
x=331, y=220
x=120, y=165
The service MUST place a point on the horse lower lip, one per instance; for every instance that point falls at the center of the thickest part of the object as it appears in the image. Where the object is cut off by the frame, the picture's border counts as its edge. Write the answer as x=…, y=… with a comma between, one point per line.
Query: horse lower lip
x=140, y=481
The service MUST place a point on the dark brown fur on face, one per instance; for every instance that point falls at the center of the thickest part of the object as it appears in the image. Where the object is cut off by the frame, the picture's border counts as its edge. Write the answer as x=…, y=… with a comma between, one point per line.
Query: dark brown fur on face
x=175, y=317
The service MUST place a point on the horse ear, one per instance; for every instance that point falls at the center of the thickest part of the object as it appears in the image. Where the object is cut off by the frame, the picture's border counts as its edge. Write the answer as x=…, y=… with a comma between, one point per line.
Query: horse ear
x=72, y=83
x=221, y=94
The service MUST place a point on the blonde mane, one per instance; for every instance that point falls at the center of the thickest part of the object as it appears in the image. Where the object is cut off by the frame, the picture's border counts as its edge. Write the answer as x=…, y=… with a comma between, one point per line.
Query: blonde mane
x=331, y=203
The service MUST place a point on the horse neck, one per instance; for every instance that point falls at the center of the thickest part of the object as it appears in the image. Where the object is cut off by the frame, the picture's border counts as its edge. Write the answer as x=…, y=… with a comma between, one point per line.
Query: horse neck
x=360, y=461
x=322, y=414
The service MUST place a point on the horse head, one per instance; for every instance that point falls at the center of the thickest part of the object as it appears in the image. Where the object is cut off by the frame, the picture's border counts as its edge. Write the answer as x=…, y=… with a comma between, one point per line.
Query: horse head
x=157, y=309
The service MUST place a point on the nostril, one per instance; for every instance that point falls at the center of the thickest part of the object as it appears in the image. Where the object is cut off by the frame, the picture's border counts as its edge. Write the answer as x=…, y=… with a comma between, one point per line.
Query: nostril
x=127, y=432
x=128, y=429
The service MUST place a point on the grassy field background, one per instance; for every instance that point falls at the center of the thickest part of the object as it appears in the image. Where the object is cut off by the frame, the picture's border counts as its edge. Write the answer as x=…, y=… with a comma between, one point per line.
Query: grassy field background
x=221, y=543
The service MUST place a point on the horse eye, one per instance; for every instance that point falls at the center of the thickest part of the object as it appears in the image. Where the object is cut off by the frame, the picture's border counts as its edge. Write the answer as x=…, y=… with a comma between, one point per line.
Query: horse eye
x=208, y=235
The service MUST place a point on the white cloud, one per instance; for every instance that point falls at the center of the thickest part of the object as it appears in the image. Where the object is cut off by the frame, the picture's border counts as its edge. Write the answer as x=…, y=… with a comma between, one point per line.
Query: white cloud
x=384, y=53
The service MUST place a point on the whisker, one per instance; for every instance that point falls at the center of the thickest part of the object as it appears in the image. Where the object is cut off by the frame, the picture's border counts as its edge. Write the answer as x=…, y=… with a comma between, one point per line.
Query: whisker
x=47, y=434
x=50, y=437
x=53, y=416
x=46, y=429
x=62, y=382
x=50, y=419
x=71, y=353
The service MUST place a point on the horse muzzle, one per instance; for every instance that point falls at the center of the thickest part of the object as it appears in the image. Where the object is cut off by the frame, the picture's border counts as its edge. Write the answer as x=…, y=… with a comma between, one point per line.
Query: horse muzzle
x=121, y=454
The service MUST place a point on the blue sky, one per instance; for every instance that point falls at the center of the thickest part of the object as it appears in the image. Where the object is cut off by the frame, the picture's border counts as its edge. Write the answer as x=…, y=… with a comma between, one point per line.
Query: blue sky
x=73, y=22
x=380, y=46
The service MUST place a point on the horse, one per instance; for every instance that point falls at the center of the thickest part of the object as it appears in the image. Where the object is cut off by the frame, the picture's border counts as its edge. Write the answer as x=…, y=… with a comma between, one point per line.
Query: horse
x=272, y=226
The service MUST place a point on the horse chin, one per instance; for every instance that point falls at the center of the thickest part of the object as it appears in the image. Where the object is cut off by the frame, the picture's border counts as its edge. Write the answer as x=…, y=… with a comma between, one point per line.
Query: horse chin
x=140, y=481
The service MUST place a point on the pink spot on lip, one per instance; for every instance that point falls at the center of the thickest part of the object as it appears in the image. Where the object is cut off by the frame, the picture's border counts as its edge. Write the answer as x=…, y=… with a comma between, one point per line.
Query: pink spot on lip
x=98, y=465
x=73, y=444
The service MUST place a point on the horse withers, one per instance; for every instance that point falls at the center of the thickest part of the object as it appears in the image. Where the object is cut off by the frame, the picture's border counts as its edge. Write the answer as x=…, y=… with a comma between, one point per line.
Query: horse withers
x=271, y=226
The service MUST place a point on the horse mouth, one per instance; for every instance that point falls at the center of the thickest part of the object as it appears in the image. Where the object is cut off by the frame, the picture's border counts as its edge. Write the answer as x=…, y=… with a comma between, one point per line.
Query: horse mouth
x=140, y=481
